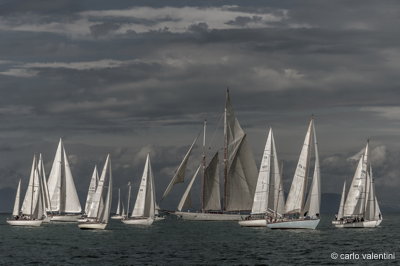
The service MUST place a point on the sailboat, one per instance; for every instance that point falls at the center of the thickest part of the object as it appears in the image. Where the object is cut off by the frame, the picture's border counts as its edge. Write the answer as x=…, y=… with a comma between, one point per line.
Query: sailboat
x=64, y=199
x=299, y=214
x=240, y=176
x=360, y=208
x=119, y=214
x=33, y=208
x=144, y=210
x=268, y=199
x=98, y=213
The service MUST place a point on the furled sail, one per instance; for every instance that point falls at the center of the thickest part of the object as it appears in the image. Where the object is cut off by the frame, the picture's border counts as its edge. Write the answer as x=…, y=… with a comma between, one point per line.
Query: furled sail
x=295, y=199
x=17, y=199
x=92, y=189
x=240, y=167
x=179, y=176
x=62, y=191
x=260, y=202
x=184, y=202
x=312, y=206
x=342, y=199
x=211, y=195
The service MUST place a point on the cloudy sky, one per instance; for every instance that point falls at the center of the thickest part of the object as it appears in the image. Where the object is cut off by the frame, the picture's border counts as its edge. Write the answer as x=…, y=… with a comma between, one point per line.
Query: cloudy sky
x=131, y=77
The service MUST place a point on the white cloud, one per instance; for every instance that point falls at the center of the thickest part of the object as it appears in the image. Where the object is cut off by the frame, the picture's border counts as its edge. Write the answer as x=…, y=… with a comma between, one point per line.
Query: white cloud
x=388, y=112
x=20, y=72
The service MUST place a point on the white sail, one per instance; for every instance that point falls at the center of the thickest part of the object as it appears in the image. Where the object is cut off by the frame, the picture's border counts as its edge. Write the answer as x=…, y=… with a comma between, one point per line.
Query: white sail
x=30, y=199
x=16, y=202
x=179, y=176
x=370, y=204
x=355, y=201
x=118, y=212
x=260, y=202
x=72, y=204
x=145, y=202
x=276, y=194
x=378, y=214
x=123, y=210
x=105, y=214
x=92, y=189
x=94, y=210
x=44, y=205
x=45, y=191
x=151, y=193
x=62, y=191
x=185, y=196
x=342, y=199
x=240, y=167
x=295, y=199
x=312, y=206
x=211, y=195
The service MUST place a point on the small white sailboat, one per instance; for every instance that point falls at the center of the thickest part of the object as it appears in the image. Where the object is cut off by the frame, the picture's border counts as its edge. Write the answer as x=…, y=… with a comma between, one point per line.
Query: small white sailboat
x=33, y=208
x=144, y=211
x=64, y=199
x=119, y=213
x=98, y=213
x=300, y=215
x=360, y=209
x=268, y=198
x=94, y=180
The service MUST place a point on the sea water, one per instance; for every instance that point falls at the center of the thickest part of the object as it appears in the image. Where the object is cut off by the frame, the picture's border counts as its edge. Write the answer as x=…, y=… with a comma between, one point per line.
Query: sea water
x=178, y=242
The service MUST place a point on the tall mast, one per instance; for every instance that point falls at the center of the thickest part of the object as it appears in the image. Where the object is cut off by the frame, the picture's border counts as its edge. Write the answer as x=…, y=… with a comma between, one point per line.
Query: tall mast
x=225, y=148
x=204, y=164
x=33, y=185
x=129, y=198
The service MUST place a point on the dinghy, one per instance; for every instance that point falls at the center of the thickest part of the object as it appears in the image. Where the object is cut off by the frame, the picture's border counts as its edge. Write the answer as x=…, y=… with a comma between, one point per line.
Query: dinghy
x=64, y=199
x=300, y=215
x=98, y=213
x=360, y=209
x=144, y=211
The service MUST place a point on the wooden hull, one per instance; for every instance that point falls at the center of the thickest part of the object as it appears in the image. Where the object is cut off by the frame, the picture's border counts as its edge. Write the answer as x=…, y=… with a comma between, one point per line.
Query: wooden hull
x=253, y=223
x=66, y=218
x=117, y=217
x=295, y=224
x=92, y=226
x=365, y=224
x=199, y=216
x=144, y=221
x=31, y=223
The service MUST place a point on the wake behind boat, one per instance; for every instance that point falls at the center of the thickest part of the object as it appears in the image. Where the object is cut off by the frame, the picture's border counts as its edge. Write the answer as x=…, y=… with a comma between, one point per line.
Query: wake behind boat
x=297, y=214
x=360, y=209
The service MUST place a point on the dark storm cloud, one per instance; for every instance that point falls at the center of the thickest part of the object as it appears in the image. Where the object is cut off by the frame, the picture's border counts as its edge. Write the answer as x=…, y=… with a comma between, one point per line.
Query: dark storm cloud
x=128, y=78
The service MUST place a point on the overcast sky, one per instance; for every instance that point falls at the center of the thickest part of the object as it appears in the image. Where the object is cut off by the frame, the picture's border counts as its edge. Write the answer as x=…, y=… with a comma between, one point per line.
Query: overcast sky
x=131, y=77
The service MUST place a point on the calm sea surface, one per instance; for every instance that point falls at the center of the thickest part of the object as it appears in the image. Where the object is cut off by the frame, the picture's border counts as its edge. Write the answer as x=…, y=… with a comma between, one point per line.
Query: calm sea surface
x=177, y=242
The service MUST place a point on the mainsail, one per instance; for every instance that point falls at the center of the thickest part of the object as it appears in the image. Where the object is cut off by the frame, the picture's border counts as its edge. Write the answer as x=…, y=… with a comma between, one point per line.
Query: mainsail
x=211, y=195
x=276, y=200
x=63, y=195
x=32, y=194
x=179, y=176
x=118, y=212
x=314, y=196
x=240, y=168
x=145, y=200
x=295, y=199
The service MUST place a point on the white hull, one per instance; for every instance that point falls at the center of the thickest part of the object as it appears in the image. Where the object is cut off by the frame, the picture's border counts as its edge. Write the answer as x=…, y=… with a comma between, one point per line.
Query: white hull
x=47, y=219
x=25, y=222
x=158, y=218
x=82, y=220
x=295, y=224
x=66, y=218
x=253, y=223
x=365, y=224
x=92, y=226
x=145, y=221
x=117, y=217
x=199, y=216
